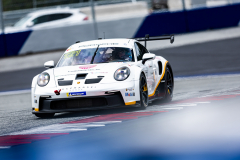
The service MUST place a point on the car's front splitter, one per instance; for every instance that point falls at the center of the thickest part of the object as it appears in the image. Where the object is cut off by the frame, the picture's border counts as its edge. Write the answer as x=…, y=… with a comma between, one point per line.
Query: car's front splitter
x=49, y=105
x=128, y=91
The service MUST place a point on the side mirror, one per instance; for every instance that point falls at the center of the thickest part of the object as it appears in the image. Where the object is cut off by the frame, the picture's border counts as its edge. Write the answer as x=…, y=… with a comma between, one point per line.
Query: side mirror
x=49, y=64
x=147, y=56
x=30, y=24
x=172, y=39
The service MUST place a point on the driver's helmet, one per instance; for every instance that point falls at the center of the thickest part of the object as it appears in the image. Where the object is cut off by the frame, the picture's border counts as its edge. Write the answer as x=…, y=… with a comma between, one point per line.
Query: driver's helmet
x=124, y=53
x=85, y=57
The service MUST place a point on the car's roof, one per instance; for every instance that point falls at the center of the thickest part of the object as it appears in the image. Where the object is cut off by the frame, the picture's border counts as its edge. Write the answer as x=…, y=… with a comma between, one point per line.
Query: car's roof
x=53, y=10
x=102, y=41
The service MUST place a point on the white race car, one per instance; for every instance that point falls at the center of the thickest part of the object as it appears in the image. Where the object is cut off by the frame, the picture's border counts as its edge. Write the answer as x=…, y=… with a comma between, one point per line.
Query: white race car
x=101, y=74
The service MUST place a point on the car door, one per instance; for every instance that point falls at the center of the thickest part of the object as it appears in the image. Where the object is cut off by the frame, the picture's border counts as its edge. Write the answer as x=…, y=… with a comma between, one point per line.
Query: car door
x=147, y=67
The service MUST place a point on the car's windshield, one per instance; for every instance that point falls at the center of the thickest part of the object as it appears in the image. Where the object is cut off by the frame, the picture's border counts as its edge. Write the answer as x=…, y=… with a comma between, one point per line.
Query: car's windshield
x=22, y=21
x=96, y=55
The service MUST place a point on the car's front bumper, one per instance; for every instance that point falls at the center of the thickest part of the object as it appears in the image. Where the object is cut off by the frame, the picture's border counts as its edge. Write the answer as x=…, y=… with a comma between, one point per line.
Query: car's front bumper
x=49, y=105
x=44, y=100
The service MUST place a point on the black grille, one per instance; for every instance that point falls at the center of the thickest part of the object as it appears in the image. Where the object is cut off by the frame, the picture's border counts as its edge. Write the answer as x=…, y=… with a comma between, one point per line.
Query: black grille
x=81, y=76
x=65, y=83
x=160, y=67
x=78, y=103
x=91, y=81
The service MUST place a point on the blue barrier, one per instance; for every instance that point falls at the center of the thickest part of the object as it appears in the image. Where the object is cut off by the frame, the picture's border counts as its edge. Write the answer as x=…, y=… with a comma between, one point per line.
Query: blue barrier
x=162, y=23
x=158, y=24
x=14, y=42
x=213, y=18
x=2, y=51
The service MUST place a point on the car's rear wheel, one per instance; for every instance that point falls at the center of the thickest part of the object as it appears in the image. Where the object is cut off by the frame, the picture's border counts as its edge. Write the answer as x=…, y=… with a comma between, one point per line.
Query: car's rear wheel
x=169, y=87
x=143, y=92
x=44, y=115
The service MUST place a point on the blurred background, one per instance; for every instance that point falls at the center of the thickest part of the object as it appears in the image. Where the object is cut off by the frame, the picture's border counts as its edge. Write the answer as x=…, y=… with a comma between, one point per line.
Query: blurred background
x=36, y=31
x=204, y=58
x=47, y=25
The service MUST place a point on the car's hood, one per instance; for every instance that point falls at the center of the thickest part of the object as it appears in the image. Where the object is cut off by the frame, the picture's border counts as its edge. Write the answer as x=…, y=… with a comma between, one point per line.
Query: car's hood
x=93, y=71
x=10, y=29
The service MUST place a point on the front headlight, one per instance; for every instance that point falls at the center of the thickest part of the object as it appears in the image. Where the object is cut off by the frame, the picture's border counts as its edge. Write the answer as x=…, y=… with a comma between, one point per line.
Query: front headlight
x=121, y=73
x=43, y=79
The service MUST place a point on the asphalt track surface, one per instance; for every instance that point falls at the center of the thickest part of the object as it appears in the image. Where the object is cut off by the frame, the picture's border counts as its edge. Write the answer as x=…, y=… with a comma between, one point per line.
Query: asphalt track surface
x=202, y=121
x=203, y=58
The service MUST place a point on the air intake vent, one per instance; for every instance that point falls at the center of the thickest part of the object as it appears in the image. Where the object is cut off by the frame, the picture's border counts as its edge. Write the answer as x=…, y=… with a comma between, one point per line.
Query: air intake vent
x=160, y=67
x=79, y=103
x=65, y=83
x=81, y=76
x=91, y=81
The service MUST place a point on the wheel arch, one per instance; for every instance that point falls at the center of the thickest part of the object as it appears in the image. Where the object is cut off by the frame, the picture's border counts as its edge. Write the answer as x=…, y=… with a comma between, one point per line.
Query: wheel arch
x=34, y=81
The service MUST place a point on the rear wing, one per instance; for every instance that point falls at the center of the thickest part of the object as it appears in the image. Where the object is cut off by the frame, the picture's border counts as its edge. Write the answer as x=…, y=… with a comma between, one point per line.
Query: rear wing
x=147, y=38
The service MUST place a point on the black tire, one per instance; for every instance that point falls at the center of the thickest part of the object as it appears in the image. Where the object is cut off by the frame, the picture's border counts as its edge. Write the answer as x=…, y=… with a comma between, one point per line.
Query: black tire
x=44, y=115
x=143, y=92
x=169, y=85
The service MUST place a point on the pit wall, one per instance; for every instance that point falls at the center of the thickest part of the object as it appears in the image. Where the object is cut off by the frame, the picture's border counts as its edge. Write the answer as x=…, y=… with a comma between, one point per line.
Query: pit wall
x=155, y=24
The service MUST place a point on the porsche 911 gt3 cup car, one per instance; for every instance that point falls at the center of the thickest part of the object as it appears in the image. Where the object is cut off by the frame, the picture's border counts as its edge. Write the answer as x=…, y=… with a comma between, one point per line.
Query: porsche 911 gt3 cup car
x=101, y=74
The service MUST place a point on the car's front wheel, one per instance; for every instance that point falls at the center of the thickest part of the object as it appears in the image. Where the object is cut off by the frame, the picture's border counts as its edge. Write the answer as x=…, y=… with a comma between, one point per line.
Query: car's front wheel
x=143, y=91
x=44, y=115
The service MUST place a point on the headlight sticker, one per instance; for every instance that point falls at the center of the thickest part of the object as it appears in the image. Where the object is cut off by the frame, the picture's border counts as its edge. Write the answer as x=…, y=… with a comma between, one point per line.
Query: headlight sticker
x=72, y=94
x=87, y=66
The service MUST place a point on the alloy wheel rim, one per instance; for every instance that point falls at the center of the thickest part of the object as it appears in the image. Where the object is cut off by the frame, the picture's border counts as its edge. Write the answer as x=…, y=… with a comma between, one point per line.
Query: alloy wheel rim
x=144, y=91
x=169, y=82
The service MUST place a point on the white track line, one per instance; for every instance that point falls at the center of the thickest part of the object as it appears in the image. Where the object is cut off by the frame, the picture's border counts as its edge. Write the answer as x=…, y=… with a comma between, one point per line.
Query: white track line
x=64, y=128
x=15, y=92
x=186, y=105
x=178, y=108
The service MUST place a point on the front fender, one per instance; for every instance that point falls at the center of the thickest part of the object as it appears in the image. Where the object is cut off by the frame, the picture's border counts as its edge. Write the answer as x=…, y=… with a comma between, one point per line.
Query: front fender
x=34, y=81
x=33, y=87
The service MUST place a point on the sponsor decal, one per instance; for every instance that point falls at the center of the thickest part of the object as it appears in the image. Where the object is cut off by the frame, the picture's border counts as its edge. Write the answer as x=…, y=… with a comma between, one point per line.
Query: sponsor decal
x=71, y=94
x=129, y=89
x=78, y=82
x=69, y=49
x=72, y=54
x=130, y=94
x=85, y=70
x=57, y=92
x=89, y=45
x=87, y=67
x=98, y=72
x=64, y=75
